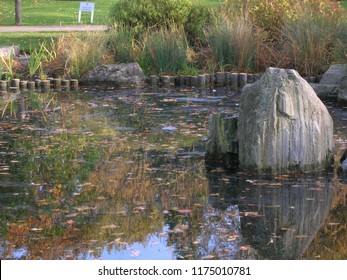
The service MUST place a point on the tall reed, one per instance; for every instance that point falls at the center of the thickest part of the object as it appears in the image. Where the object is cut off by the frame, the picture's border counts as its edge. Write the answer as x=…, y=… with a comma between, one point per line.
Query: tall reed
x=233, y=42
x=82, y=51
x=309, y=44
x=122, y=43
x=7, y=65
x=165, y=50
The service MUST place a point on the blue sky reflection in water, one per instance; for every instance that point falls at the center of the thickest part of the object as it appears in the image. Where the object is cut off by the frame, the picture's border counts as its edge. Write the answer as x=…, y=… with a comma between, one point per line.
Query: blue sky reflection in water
x=119, y=174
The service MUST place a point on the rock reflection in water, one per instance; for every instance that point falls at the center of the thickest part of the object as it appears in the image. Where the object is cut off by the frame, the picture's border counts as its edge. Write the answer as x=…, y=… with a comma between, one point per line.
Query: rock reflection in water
x=280, y=217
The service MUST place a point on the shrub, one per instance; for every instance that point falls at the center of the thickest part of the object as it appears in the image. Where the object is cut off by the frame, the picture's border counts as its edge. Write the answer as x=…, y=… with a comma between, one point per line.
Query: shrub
x=165, y=50
x=141, y=14
x=144, y=14
x=271, y=15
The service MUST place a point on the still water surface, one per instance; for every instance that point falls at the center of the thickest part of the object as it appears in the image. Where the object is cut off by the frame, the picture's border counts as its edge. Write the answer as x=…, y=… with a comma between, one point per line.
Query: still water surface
x=120, y=174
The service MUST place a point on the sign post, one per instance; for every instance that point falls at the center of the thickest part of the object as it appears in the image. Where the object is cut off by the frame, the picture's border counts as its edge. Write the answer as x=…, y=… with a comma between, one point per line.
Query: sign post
x=86, y=7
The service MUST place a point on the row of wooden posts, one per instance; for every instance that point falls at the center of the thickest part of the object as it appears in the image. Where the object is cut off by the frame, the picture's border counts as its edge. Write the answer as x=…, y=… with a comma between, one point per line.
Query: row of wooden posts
x=15, y=85
x=219, y=79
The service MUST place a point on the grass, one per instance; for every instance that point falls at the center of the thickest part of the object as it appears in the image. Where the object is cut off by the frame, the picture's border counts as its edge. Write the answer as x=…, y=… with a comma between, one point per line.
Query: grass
x=52, y=12
x=27, y=41
x=61, y=12
x=165, y=51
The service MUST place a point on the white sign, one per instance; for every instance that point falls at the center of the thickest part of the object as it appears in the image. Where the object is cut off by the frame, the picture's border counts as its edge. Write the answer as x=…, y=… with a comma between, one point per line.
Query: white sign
x=86, y=7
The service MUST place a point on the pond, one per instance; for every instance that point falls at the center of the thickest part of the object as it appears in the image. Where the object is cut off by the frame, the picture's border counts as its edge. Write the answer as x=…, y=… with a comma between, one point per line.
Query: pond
x=121, y=174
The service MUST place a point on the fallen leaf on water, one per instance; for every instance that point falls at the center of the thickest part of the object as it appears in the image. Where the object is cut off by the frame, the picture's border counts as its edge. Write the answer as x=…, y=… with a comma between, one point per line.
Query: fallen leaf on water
x=333, y=224
x=208, y=257
x=109, y=227
x=36, y=229
x=288, y=229
x=301, y=236
x=252, y=214
x=134, y=253
x=218, y=170
x=183, y=211
x=214, y=194
x=244, y=248
x=232, y=237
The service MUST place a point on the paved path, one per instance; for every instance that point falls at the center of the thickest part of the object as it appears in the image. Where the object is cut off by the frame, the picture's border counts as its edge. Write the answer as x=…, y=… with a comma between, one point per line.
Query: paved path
x=62, y=28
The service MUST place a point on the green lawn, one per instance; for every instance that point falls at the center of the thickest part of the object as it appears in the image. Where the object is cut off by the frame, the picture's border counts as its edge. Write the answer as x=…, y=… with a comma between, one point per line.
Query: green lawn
x=60, y=12
x=53, y=12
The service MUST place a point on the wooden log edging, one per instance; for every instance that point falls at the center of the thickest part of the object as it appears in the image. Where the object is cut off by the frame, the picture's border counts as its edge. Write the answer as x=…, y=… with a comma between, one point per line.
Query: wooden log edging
x=232, y=80
x=38, y=85
x=220, y=79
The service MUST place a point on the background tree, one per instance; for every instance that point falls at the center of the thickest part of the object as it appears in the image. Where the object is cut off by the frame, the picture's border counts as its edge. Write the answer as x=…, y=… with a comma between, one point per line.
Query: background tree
x=18, y=12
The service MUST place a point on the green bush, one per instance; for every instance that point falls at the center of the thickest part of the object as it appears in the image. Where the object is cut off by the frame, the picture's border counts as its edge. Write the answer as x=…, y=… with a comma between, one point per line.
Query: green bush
x=268, y=15
x=271, y=15
x=143, y=14
x=154, y=14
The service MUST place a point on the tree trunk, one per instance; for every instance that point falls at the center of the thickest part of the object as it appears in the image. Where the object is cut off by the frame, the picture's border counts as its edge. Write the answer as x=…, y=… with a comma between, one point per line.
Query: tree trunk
x=18, y=12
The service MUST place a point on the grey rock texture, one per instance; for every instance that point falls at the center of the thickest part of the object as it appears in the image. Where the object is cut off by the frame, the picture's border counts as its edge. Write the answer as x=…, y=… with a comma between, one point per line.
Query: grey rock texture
x=342, y=90
x=325, y=91
x=222, y=142
x=7, y=51
x=283, y=126
x=118, y=75
x=334, y=74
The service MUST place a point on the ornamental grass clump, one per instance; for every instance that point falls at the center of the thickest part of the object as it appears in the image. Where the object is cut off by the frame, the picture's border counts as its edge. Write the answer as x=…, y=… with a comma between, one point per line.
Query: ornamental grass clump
x=233, y=43
x=165, y=50
x=309, y=44
x=122, y=43
x=82, y=51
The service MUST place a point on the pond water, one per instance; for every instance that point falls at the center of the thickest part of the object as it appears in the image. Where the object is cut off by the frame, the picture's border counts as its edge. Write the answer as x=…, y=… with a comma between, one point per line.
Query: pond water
x=121, y=174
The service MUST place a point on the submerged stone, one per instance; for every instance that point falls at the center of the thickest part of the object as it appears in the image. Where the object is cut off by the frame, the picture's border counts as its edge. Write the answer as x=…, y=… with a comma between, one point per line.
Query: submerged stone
x=222, y=143
x=283, y=126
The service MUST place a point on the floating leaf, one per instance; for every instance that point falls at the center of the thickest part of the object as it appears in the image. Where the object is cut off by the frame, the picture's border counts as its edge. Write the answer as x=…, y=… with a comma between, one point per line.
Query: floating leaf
x=208, y=257
x=184, y=211
x=244, y=248
x=288, y=229
x=36, y=229
x=301, y=236
x=134, y=253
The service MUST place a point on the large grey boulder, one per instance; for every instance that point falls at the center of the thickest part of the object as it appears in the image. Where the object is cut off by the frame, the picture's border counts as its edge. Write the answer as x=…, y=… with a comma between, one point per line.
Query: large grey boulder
x=118, y=75
x=283, y=126
x=342, y=90
x=334, y=74
x=6, y=51
x=333, y=83
x=325, y=91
